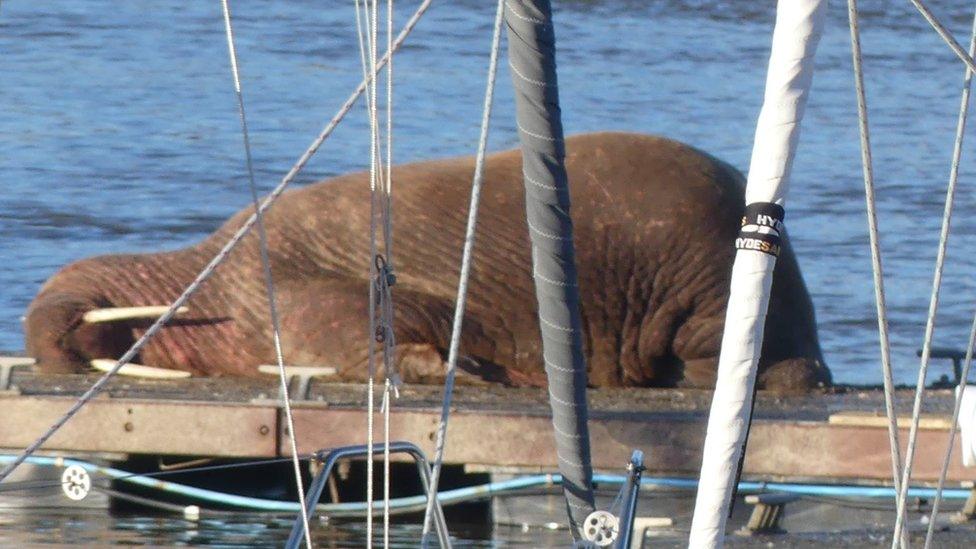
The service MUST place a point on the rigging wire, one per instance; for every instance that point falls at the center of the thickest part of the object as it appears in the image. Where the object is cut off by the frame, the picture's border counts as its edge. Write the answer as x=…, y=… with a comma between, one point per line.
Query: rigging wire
x=469, y=237
x=389, y=388
x=221, y=255
x=371, y=367
x=953, y=177
x=952, y=434
x=944, y=33
x=876, y=264
x=381, y=270
x=933, y=309
x=266, y=267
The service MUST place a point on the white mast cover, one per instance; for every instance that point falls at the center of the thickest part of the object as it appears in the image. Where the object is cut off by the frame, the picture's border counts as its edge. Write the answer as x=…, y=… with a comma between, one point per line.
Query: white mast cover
x=798, y=27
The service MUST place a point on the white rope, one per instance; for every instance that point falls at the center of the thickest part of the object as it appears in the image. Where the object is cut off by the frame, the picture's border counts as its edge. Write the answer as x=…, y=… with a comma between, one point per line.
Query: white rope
x=221, y=255
x=465, y=274
x=380, y=268
x=926, y=350
x=388, y=357
x=387, y=389
x=877, y=268
x=953, y=176
x=388, y=216
x=946, y=36
x=266, y=265
x=368, y=55
x=964, y=375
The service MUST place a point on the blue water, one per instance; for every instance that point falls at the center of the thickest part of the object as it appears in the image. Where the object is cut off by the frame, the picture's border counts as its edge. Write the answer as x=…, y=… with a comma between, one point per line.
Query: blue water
x=118, y=133
x=118, y=130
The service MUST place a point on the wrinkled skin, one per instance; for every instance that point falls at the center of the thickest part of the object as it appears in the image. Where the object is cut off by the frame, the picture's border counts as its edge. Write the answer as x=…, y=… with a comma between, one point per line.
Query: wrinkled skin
x=654, y=226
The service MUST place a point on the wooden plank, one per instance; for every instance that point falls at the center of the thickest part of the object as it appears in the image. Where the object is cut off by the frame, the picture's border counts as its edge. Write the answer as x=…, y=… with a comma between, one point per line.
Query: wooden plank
x=142, y=426
x=855, y=418
x=821, y=450
x=778, y=449
x=490, y=427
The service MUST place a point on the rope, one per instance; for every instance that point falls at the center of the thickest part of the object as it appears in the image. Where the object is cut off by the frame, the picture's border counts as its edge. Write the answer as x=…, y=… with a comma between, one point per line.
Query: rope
x=384, y=268
x=388, y=356
x=266, y=266
x=952, y=433
x=953, y=177
x=386, y=463
x=371, y=369
x=877, y=268
x=381, y=271
x=927, y=342
x=946, y=36
x=221, y=256
x=462, y=292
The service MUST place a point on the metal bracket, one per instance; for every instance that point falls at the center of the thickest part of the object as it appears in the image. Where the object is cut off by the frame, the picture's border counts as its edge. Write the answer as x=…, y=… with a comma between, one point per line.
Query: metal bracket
x=628, y=510
x=7, y=366
x=298, y=378
x=968, y=511
x=955, y=355
x=767, y=512
x=328, y=459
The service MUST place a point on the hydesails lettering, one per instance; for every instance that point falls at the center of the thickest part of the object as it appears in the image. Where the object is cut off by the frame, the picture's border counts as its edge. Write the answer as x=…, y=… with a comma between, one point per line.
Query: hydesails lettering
x=762, y=228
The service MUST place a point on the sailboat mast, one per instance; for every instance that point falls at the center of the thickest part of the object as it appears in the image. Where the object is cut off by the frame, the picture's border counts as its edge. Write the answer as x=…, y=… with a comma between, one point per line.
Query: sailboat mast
x=532, y=57
x=797, y=32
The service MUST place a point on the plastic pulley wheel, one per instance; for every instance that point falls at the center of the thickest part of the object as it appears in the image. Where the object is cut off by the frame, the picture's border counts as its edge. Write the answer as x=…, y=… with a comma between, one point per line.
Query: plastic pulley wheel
x=600, y=528
x=75, y=482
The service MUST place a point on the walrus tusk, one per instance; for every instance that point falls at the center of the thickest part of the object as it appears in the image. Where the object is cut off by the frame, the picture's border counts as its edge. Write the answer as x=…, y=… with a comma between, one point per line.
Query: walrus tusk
x=138, y=370
x=112, y=314
x=311, y=371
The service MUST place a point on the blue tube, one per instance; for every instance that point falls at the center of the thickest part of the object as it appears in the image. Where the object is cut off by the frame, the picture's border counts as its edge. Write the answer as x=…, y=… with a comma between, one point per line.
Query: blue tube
x=823, y=490
x=471, y=493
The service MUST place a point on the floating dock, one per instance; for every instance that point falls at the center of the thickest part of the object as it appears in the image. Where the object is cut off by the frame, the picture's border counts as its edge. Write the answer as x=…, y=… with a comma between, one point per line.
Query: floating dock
x=835, y=436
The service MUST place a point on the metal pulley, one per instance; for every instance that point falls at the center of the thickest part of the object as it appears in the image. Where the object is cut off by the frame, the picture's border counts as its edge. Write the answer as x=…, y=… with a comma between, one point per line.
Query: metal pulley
x=601, y=528
x=75, y=482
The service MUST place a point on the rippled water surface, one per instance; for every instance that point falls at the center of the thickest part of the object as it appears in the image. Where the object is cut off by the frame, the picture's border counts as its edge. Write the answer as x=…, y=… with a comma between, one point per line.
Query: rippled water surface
x=118, y=130
x=97, y=528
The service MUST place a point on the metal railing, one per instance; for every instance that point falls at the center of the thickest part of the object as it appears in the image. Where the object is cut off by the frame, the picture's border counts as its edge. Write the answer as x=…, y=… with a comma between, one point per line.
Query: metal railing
x=328, y=459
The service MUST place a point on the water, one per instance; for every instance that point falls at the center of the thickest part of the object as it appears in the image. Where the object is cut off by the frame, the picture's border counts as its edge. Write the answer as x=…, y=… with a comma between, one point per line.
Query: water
x=91, y=528
x=118, y=130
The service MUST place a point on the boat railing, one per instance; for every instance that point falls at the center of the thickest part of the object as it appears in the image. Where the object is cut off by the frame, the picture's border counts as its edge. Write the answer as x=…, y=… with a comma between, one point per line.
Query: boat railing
x=329, y=457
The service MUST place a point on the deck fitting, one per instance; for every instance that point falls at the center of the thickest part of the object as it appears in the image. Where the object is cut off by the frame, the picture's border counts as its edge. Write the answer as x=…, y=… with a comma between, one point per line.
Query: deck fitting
x=298, y=378
x=7, y=366
x=968, y=511
x=766, y=512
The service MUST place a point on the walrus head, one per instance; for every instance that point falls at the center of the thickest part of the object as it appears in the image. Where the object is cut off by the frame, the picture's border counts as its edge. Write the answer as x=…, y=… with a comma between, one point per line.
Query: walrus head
x=60, y=338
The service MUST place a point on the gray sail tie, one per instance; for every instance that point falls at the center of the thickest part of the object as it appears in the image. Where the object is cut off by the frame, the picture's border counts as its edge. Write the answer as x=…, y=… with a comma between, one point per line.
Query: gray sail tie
x=532, y=61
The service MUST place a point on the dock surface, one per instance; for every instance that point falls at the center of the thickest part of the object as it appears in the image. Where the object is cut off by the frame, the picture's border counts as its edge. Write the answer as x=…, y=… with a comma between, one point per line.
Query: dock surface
x=839, y=435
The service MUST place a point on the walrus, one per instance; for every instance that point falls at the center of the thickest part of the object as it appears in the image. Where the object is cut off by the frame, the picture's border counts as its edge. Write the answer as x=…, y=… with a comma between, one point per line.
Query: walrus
x=654, y=219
